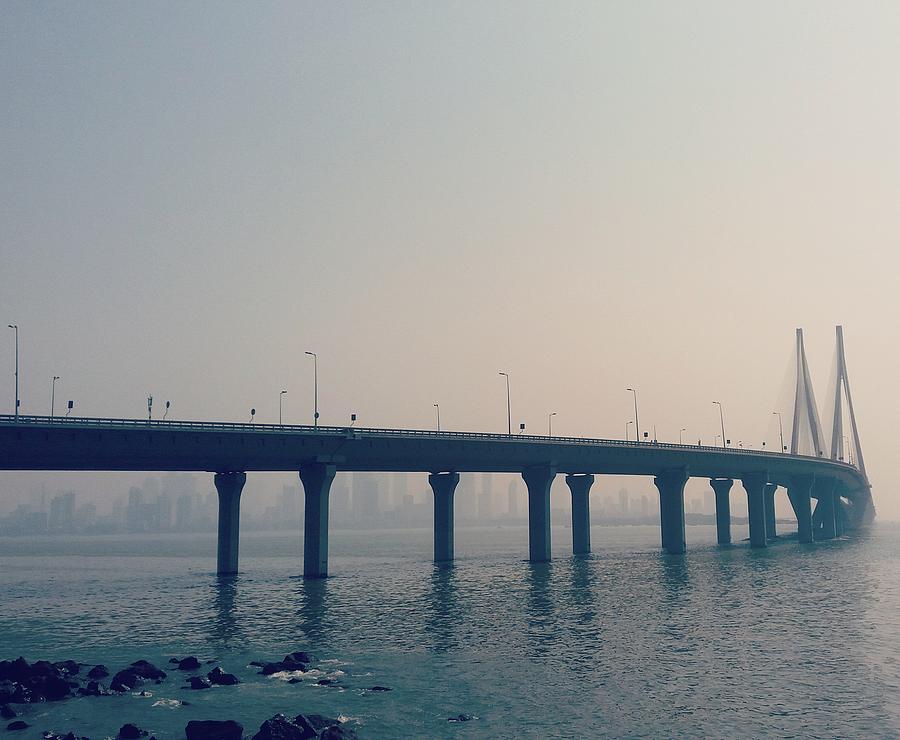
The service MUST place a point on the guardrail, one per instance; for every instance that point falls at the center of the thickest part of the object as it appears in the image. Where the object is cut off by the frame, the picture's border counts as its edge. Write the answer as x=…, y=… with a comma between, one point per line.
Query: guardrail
x=362, y=432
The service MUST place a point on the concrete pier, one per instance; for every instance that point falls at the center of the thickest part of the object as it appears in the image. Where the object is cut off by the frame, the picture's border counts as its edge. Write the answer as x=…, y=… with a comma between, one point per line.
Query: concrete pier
x=824, y=491
x=538, y=480
x=316, y=479
x=580, y=488
x=670, y=485
x=771, y=488
x=799, y=494
x=229, y=487
x=443, y=485
x=755, y=486
x=722, y=489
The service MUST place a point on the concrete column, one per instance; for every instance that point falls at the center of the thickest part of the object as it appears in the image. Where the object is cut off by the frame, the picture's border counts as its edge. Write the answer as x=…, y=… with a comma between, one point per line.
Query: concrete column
x=670, y=485
x=538, y=480
x=316, y=479
x=755, y=486
x=824, y=491
x=771, y=488
x=722, y=488
x=840, y=512
x=443, y=485
x=799, y=496
x=229, y=487
x=580, y=488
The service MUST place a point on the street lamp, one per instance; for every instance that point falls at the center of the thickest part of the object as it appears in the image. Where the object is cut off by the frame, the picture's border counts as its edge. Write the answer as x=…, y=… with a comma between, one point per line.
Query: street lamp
x=149, y=408
x=680, y=431
x=627, y=424
x=721, y=421
x=550, y=423
x=508, y=407
x=53, y=394
x=280, y=397
x=15, y=327
x=438, y=407
x=168, y=403
x=637, y=426
x=315, y=388
x=780, y=430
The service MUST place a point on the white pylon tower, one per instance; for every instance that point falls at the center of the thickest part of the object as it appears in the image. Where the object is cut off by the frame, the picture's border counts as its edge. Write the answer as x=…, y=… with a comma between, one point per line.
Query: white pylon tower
x=837, y=430
x=805, y=409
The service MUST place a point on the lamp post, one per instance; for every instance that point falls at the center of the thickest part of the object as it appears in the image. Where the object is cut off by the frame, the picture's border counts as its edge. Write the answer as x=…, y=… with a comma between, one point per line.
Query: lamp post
x=627, y=424
x=53, y=394
x=508, y=407
x=550, y=423
x=721, y=421
x=637, y=426
x=780, y=430
x=315, y=388
x=149, y=408
x=280, y=397
x=15, y=327
x=438, y=407
x=166, y=413
x=680, y=431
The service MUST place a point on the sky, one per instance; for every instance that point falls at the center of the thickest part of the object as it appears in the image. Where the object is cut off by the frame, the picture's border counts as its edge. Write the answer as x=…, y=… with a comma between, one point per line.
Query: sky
x=590, y=196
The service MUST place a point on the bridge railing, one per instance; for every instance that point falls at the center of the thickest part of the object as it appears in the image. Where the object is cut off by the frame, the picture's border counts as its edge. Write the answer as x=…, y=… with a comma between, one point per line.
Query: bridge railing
x=362, y=432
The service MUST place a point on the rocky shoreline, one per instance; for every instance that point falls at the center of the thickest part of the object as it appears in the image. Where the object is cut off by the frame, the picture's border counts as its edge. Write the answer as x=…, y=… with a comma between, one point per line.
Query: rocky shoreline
x=23, y=683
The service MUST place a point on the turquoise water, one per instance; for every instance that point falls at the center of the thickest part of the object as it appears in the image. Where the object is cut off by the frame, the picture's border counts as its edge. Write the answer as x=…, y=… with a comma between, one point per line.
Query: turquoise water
x=794, y=640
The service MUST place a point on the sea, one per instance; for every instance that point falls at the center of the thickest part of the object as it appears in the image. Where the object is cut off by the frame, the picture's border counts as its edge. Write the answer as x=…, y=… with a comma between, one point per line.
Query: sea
x=789, y=641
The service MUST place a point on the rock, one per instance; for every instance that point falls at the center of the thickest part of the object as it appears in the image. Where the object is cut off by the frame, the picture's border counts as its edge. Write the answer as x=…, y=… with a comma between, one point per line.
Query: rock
x=52, y=688
x=299, y=656
x=460, y=718
x=131, y=732
x=125, y=680
x=69, y=667
x=98, y=671
x=198, y=682
x=93, y=688
x=381, y=688
x=269, y=668
x=280, y=727
x=326, y=682
x=295, y=680
x=176, y=661
x=213, y=729
x=189, y=663
x=338, y=732
x=145, y=669
x=18, y=725
x=220, y=678
x=12, y=692
x=17, y=671
x=7, y=712
x=317, y=721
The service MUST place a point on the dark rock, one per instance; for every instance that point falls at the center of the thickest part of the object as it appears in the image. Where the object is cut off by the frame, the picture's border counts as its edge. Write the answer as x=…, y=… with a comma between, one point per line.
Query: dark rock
x=93, y=688
x=176, y=661
x=257, y=663
x=299, y=656
x=98, y=671
x=317, y=721
x=295, y=680
x=18, y=725
x=145, y=669
x=52, y=688
x=189, y=663
x=44, y=668
x=125, y=680
x=280, y=727
x=131, y=732
x=326, y=682
x=198, y=682
x=12, y=692
x=381, y=688
x=338, y=732
x=460, y=718
x=269, y=668
x=16, y=671
x=213, y=729
x=220, y=678
x=7, y=712
x=68, y=666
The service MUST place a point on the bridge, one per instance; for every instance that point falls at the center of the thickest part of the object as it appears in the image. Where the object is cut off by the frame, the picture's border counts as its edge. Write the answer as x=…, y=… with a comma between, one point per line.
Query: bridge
x=839, y=488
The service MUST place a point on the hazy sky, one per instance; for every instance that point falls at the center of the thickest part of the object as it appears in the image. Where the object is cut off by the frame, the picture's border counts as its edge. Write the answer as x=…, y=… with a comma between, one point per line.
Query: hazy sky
x=589, y=196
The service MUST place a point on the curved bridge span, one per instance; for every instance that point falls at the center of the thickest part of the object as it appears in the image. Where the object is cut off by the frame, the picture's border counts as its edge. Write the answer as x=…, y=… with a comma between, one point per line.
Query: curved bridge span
x=840, y=491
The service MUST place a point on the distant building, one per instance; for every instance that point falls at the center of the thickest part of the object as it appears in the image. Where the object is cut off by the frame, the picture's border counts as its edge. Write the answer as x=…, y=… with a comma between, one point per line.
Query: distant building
x=62, y=513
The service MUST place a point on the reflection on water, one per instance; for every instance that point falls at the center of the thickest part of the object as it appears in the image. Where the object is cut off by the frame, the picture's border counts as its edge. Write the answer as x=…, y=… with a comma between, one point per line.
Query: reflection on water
x=721, y=641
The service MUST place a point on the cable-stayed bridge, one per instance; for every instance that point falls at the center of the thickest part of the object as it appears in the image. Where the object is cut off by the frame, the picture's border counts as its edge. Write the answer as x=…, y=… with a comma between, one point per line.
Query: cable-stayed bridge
x=825, y=480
